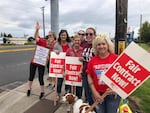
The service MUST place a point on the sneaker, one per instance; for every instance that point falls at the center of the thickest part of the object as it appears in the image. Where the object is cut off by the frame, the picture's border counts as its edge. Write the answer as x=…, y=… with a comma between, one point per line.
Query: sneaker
x=28, y=92
x=41, y=95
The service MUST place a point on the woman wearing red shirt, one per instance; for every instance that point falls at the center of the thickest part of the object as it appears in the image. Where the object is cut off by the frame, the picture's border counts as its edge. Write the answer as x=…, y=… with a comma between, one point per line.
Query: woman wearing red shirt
x=104, y=57
x=52, y=37
x=62, y=44
x=76, y=51
x=44, y=43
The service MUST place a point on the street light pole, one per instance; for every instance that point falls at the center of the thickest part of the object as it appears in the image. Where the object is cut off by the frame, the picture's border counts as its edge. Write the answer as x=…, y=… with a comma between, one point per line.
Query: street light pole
x=42, y=8
x=49, y=13
x=54, y=15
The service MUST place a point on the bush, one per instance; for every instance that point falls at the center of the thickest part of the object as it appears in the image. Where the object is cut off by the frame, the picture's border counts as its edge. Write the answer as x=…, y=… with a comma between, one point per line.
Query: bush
x=29, y=43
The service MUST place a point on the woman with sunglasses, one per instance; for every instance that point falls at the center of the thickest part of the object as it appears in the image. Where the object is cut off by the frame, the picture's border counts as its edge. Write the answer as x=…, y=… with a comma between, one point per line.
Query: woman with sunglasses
x=87, y=55
x=52, y=38
x=81, y=33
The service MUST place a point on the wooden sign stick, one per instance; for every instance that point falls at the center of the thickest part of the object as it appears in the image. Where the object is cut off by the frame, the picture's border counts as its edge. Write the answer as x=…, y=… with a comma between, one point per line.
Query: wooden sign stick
x=95, y=103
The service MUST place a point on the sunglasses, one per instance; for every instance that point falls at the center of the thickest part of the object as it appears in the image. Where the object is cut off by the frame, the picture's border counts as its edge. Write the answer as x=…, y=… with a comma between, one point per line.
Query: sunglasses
x=90, y=34
x=81, y=34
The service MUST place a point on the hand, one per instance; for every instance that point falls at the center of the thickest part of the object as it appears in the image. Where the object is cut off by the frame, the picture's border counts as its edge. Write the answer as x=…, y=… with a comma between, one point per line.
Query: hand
x=80, y=75
x=81, y=59
x=98, y=97
x=109, y=91
x=57, y=52
x=37, y=26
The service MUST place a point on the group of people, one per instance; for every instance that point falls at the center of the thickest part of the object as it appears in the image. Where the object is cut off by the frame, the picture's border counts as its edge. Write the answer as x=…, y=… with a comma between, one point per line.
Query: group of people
x=95, y=52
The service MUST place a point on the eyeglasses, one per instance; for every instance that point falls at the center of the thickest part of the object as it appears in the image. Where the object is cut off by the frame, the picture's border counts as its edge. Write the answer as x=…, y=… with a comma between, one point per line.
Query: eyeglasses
x=90, y=34
x=81, y=34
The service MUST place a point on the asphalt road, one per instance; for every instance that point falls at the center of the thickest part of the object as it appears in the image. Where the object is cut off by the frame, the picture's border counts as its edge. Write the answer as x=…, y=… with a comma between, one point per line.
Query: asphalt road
x=14, y=66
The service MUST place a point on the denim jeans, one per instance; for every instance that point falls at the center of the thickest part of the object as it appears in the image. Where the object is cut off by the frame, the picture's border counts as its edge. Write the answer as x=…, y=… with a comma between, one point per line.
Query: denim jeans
x=79, y=92
x=59, y=86
x=87, y=90
x=109, y=105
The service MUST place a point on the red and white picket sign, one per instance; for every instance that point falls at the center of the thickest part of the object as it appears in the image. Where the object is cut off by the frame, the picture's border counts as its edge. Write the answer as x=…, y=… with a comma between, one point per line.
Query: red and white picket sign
x=73, y=69
x=128, y=71
x=57, y=64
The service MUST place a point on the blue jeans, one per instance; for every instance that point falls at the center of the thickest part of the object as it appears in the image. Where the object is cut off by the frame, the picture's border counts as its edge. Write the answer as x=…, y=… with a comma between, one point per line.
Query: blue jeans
x=79, y=92
x=59, y=86
x=109, y=105
x=87, y=90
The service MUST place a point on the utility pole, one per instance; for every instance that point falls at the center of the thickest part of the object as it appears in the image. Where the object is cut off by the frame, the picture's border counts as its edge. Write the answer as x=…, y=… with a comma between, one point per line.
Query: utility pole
x=42, y=8
x=121, y=25
x=49, y=13
x=54, y=15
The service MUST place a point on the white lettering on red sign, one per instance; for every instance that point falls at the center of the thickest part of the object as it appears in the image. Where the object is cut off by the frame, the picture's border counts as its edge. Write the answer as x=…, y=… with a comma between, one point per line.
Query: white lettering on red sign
x=57, y=70
x=56, y=66
x=57, y=61
x=126, y=74
x=134, y=68
x=118, y=80
x=73, y=78
x=72, y=67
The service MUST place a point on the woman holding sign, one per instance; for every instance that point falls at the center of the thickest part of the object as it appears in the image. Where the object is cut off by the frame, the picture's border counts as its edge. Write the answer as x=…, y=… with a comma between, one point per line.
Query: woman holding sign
x=76, y=51
x=62, y=44
x=41, y=68
x=104, y=56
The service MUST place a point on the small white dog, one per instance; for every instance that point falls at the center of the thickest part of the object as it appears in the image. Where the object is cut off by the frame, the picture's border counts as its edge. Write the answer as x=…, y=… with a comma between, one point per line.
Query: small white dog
x=78, y=105
x=81, y=107
x=69, y=98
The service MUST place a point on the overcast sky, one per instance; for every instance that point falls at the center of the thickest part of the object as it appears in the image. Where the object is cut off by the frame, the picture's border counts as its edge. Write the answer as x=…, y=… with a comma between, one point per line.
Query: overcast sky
x=18, y=17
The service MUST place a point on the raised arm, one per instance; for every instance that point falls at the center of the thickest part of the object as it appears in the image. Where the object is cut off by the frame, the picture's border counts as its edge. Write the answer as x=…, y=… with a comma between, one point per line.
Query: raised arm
x=36, y=34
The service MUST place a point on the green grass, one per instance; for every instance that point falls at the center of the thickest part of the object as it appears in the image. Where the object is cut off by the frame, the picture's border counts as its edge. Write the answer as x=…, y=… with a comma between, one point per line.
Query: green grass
x=143, y=92
x=7, y=44
x=145, y=46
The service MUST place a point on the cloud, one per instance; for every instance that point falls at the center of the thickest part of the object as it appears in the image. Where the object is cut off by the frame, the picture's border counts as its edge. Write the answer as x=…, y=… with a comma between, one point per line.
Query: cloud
x=19, y=17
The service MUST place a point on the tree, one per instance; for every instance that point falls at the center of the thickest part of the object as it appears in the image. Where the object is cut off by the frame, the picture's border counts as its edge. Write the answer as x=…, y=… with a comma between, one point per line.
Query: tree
x=144, y=32
x=30, y=39
x=1, y=34
x=9, y=35
x=5, y=35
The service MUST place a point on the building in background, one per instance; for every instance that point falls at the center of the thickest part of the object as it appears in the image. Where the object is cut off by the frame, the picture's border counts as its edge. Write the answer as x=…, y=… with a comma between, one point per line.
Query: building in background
x=16, y=40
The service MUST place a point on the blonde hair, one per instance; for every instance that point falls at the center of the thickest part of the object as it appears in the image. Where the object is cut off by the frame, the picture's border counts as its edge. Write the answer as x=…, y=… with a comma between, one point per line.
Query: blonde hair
x=76, y=36
x=101, y=38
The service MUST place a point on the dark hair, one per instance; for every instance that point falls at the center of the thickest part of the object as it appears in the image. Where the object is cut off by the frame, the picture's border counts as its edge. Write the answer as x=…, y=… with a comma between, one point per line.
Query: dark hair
x=92, y=30
x=63, y=31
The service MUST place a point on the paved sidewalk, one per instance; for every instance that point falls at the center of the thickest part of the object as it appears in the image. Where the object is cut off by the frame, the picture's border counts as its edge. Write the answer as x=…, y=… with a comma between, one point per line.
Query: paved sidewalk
x=16, y=101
